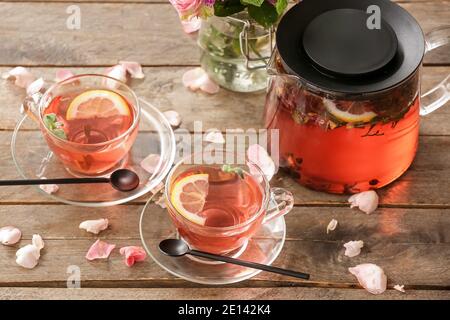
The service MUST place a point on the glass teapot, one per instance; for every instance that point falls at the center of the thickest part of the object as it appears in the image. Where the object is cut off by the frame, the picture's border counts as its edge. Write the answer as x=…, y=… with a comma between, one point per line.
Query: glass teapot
x=344, y=92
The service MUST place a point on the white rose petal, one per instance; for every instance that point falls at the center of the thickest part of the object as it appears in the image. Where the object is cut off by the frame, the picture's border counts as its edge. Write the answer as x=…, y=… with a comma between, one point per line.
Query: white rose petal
x=197, y=78
x=63, y=74
x=400, y=288
x=371, y=277
x=192, y=25
x=133, y=68
x=215, y=136
x=28, y=256
x=173, y=118
x=161, y=201
x=157, y=188
x=353, y=248
x=9, y=235
x=94, y=226
x=366, y=201
x=117, y=72
x=332, y=225
x=23, y=78
x=35, y=86
x=49, y=188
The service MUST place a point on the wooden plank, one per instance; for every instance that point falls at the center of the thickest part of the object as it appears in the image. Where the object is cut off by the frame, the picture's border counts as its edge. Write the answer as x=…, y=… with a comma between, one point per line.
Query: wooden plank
x=418, y=266
x=214, y=294
x=148, y=33
x=425, y=184
x=386, y=226
x=225, y=110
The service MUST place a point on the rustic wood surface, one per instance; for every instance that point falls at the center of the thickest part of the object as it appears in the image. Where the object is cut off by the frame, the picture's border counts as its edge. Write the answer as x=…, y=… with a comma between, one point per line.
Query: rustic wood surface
x=409, y=236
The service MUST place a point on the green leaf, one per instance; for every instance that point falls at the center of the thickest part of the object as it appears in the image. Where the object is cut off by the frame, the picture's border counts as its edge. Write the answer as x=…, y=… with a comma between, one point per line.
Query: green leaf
x=227, y=8
x=266, y=15
x=256, y=3
x=49, y=120
x=237, y=170
x=281, y=5
x=60, y=133
x=54, y=126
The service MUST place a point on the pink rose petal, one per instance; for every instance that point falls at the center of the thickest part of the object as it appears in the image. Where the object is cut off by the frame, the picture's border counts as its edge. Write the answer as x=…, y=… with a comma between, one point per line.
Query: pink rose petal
x=94, y=226
x=158, y=188
x=10, y=235
x=161, y=201
x=23, y=78
x=259, y=156
x=366, y=201
x=191, y=25
x=133, y=254
x=197, y=78
x=133, y=68
x=63, y=74
x=353, y=248
x=371, y=277
x=99, y=250
x=151, y=163
x=173, y=118
x=332, y=225
x=215, y=136
x=400, y=288
x=49, y=188
x=117, y=72
x=35, y=86
x=37, y=241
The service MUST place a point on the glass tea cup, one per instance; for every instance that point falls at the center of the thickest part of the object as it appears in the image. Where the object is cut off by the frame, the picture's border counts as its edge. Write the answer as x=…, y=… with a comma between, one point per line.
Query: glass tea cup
x=89, y=121
x=218, y=204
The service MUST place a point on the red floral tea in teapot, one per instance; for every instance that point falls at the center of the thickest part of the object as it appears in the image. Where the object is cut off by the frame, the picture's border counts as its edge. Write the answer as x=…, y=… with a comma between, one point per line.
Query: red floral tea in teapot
x=343, y=146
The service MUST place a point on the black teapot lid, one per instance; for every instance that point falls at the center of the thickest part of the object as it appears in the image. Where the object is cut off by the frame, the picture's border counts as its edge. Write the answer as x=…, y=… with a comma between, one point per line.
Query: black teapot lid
x=350, y=46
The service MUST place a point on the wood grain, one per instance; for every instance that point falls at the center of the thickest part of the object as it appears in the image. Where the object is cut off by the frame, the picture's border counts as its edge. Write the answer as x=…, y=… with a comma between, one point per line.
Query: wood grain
x=225, y=110
x=425, y=184
x=148, y=33
x=214, y=294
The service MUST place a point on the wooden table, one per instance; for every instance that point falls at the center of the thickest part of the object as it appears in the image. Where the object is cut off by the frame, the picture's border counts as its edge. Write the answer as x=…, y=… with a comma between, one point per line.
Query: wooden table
x=409, y=235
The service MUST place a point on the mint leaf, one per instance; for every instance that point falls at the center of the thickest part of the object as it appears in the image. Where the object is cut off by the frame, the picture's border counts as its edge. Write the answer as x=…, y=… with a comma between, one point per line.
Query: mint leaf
x=227, y=8
x=54, y=126
x=266, y=15
x=237, y=170
x=256, y=3
x=281, y=5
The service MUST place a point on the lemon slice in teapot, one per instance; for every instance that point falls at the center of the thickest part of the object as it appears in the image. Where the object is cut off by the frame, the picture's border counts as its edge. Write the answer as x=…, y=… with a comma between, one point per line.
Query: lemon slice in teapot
x=350, y=111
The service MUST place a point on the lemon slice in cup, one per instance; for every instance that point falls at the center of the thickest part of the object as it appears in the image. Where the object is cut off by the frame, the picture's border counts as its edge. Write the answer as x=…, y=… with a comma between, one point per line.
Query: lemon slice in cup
x=351, y=112
x=97, y=103
x=189, y=197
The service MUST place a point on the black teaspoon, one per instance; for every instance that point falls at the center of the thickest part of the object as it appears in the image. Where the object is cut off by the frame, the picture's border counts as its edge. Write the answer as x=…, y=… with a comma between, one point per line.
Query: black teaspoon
x=178, y=248
x=122, y=180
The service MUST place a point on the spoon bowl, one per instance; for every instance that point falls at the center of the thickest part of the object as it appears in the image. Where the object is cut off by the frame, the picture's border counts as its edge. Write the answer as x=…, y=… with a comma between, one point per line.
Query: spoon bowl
x=174, y=247
x=124, y=180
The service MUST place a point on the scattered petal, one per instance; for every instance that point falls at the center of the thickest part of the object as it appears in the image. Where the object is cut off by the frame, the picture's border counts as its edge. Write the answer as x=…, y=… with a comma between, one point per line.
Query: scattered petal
x=94, y=226
x=37, y=241
x=133, y=254
x=151, y=163
x=353, y=248
x=99, y=250
x=161, y=201
x=9, y=235
x=23, y=78
x=191, y=25
x=35, y=86
x=63, y=74
x=332, y=225
x=366, y=201
x=259, y=157
x=400, y=288
x=117, y=72
x=173, y=117
x=197, y=78
x=133, y=68
x=28, y=256
x=371, y=277
x=215, y=136
x=49, y=188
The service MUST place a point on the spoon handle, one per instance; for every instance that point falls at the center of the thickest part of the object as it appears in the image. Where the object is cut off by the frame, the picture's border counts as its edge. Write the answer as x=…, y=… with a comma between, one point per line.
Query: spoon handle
x=248, y=264
x=52, y=181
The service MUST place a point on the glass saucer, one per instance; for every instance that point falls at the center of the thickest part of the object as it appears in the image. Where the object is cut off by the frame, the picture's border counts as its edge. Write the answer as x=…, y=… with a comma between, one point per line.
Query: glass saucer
x=155, y=226
x=34, y=160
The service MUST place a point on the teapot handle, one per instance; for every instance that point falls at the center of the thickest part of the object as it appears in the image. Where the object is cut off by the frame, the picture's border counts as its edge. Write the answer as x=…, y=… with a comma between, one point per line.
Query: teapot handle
x=440, y=94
